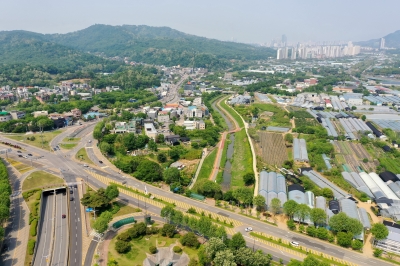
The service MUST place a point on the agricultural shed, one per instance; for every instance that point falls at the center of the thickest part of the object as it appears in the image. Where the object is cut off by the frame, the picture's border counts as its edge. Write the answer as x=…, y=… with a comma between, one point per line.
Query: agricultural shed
x=364, y=219
x=355, y=181
x=300, y=150
x=322, y=182
x=376, y=132
x=281, y=188
x=373, y=187
x=334, y=206
x=394, y=187
x=382, y=185
x=309, y=195
x=387, y=175
x=349, y=207
x=278, y=129
x=295, y=187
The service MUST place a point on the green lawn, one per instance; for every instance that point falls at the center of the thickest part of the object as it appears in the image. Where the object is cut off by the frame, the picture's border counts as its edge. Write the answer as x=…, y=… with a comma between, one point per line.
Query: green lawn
x=39, y=179
x=242, y=159
x=21, y=167
x=83, y=157
x=223, y=160
x=207, y=166
x=38, y=140
x=68, y=146
x=140, y=247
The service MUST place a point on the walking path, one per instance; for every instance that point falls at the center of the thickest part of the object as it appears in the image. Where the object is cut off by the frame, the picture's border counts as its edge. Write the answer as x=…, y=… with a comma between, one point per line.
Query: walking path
x=203, y=156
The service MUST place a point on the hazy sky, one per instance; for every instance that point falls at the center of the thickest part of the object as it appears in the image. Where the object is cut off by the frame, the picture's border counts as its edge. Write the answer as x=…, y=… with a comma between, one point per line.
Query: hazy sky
x=245, y=20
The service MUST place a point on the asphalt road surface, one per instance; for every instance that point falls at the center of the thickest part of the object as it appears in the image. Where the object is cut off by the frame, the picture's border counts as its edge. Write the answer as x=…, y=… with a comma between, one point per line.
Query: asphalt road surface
x=61, y=236
x=45, y=231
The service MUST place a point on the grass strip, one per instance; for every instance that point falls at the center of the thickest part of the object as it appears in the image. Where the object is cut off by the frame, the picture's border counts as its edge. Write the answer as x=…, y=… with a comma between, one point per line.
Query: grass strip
x=232, y=113
x=83, y=157
x=207, y=166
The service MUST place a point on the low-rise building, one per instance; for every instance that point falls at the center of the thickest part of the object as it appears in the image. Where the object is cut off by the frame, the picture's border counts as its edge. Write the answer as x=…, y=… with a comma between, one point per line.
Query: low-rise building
x=163, y=117
x=17, y=114
x=76, y=113
x=150, y=130
x=5, y=116
x=125, y=127
x=40, y=113
x=152, y=114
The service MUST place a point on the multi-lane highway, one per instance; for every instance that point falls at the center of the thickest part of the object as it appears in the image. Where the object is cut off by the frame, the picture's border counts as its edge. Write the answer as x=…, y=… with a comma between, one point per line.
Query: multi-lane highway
x=44, y=241
x=61, y=236
x=72, y=170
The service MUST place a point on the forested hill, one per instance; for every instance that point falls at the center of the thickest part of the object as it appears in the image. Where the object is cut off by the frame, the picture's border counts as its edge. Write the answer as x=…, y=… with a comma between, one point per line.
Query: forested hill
x=24, y=47
x=392, y=40
x=158, y=45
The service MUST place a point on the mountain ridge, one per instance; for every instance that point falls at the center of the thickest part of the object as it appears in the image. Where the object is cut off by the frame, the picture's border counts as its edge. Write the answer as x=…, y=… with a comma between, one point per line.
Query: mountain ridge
x=392, y=40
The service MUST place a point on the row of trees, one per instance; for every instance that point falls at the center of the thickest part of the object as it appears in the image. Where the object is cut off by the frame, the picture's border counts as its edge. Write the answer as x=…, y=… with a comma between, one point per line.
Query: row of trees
x=5, y=192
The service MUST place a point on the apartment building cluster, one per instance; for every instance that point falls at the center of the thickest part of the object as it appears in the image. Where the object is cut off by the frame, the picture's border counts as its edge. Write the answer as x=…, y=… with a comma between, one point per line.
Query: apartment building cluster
x=319, y=51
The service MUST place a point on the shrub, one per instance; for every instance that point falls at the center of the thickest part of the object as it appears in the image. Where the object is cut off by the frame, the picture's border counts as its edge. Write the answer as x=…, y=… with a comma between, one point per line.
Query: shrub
x=311, y=231
x=378, y=252
x=177, y=249
x=152, y=249
x=191, y=210
x=125, y=236
x=190, y=240
x=31, y=246
x=291, y=225
x=356, y=244
x=32, y=230
x=168, y=230
x=122, y=246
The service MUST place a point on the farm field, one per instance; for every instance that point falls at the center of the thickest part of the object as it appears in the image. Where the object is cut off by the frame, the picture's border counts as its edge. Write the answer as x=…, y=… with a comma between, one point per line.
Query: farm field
x=273, y=148
x=353, y=154
x=308, y=122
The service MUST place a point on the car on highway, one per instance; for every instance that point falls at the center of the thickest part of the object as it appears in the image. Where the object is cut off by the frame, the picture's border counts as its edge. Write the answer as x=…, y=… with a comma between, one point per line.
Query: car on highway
x=19, y=151
x=26, y=157
x=71, y=198
x=19, y=155
x=294, y=244
x=248, y=229
x=90, y=141
x=54, y=149
x=100, y=161
x=71, y=192
x=29, y=154
x=63, y=216
x=85, y=165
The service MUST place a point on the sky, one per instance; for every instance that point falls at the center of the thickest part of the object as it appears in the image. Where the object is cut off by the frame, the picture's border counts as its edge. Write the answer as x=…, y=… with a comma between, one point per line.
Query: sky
x=248, y=21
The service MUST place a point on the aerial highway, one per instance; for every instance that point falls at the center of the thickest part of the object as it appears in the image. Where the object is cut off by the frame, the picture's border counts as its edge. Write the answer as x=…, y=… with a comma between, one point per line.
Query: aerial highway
x=72, y=170
x=61, y=236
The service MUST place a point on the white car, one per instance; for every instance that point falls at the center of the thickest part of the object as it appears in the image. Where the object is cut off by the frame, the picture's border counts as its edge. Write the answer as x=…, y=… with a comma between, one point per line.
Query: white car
x=248, y=229
x=294, y=244
x=85, y=165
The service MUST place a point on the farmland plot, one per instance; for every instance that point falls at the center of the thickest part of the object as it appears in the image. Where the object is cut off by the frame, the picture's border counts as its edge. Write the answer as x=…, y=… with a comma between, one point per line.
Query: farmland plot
x=354, y=154
x=273, y=148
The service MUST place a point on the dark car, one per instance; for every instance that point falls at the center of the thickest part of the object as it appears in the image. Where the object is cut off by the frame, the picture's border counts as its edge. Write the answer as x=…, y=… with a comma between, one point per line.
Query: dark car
x=19, y=155
x=63, y=216
x=30, y=154
x=71, y=192
x=19, y=151
x=100, y=161
x=71, y=198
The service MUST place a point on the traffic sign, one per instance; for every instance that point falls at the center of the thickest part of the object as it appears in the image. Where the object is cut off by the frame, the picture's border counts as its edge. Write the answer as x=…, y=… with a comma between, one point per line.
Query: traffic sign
x=89, y=209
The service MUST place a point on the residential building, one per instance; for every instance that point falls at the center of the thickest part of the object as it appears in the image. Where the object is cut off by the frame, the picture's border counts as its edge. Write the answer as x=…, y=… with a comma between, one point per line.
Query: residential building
x=382, y=44
x=150, y=130
x=152, y=114
x=17, y=114
x=125, y=127
x=76, y=113
x=40, y=113
x=201, y=125
x=163, y=117
x=5, y=116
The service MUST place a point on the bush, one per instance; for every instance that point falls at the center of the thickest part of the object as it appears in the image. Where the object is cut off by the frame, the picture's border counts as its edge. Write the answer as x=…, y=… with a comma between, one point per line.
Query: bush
x=322, y=233
x=344, y=239
x=152, y=230
x=125, y=236
x=168, y=230
x=249, y=179
x=31, y=246
x=152, y=250
x=378, y=252
x=177, y=249
x=190, y=240
x=291, y=225
x=122, y=247
x=191, y=210
x=33, y=228
x=356, y=244
x=311, y=231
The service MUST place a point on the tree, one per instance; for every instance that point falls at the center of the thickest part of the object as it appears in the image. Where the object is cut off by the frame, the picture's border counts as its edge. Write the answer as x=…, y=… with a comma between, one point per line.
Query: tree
x=100, y=225
x=327, y=193
x=112, y=192
x=95, y=199
x=289, y=208
x=363, y=117
x=171, y=175
x=161, y=157
x=290, y=224
x=322, y=233
x=379, y=231
x=105, y=147
x=149, y=171
x=190, y=240
x=354, y=107
x=152, y=250
x=112, y=262
x=160, y=138
x=152, y=145
x=302, y=212
x=356, y=244
x=275, y=206
x=318, y=216
x=237, y=241
x=122, y=246
x=259, y=202
x=344, y=239
x=243, y=195
x=168, y=230
x=342, y=223
x=310, y=260
x=213, y=246
x=294, y=262
x=311, y=231
x=289, y=138
x=249, y=179
x=224, y=258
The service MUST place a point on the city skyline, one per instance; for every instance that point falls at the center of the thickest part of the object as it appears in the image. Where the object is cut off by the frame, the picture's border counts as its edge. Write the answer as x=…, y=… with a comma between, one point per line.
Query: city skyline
x=247, y=22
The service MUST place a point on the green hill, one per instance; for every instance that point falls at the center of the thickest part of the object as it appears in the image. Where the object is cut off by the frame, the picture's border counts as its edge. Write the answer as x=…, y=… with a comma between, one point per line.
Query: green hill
x=392, y=40
x=24, y=47
x=158, y=45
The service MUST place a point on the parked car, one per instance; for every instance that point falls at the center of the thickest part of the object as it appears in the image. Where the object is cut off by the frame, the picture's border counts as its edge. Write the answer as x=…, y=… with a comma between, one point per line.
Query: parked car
x=26, y=157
